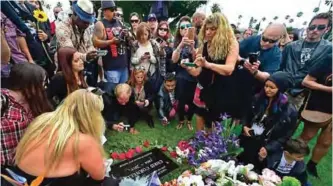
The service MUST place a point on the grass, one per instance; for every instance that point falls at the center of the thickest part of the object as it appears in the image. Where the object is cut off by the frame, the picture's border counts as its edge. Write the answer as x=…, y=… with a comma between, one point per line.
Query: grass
x=169, y=136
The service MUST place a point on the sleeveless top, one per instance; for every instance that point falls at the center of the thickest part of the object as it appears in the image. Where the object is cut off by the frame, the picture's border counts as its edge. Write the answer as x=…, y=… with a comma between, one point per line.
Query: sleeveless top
x=116, y=58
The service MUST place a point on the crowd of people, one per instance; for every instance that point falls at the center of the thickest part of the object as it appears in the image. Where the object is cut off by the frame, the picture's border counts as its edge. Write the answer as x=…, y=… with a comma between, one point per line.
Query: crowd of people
x=65, y=82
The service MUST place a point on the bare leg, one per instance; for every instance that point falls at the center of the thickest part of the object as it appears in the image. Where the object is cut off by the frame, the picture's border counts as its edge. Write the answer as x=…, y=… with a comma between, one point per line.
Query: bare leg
x=200, y=125
x=324, y=142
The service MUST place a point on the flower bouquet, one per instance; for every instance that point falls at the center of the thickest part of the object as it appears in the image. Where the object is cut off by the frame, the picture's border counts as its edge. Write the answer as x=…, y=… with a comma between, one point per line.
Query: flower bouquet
x=220, y=143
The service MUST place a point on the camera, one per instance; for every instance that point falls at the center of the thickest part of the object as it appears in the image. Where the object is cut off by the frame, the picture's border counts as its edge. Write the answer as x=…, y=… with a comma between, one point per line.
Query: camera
x=253, y=57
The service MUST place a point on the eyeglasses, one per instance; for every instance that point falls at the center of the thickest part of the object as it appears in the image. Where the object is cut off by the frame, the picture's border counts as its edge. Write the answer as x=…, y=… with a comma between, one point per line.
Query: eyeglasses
x=140, y=68
x=135, y=21
x=265, y=39
x=318, y=27
x=112, y=9
x=183, y=26
x=152, y=20
x=163, y=29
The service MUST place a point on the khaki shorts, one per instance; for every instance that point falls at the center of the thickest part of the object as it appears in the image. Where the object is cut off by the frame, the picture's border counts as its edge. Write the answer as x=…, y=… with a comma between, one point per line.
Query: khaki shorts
x=297, y=101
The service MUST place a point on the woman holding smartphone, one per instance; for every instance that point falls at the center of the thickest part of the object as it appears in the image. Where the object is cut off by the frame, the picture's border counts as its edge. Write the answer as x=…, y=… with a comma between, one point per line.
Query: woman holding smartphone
x=270, y=122
x=215, y=62
x=184, y=52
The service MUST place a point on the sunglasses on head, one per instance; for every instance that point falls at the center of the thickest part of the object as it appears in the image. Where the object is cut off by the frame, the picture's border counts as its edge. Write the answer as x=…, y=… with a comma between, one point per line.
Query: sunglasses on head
x=137, y=68
x=318, y=27
x=265, y=39
x=183, y=26
x=135, y=21
x=164, y=29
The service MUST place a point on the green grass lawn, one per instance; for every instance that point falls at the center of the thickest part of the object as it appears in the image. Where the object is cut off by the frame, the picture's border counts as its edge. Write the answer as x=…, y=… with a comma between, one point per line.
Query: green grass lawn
x=169, y=136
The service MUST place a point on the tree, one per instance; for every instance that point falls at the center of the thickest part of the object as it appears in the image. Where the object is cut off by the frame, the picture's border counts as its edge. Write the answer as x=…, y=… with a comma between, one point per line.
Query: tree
x=216, y=8
x=240, y=17
x=287, y=17
x=275, y=18
x=305, y=23
x=48, y=6
x=329, y=3
x=251, y=22
x=299, y=14
x=315, y=10
x=291, y=20
x=263, y=19
x=59, y=4
x=255, y=20
x=257, y=27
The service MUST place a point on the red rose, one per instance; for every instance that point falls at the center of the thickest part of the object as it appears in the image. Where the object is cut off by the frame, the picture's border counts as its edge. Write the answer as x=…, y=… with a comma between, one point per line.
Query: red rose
x=183, y=145
x=138, y=149
x=122, y=156
x=132, y=151
x=146, y=144
x=164, y=149
x=173, y=154
x=114, y=155
x=129, y=155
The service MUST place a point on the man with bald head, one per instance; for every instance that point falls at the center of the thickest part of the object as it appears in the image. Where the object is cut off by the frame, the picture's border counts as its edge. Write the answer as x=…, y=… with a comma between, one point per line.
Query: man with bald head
x=269, y=54
x=197, y=20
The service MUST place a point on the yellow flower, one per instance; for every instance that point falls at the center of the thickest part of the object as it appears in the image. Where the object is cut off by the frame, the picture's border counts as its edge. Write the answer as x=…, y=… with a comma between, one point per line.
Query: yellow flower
x=40, y=16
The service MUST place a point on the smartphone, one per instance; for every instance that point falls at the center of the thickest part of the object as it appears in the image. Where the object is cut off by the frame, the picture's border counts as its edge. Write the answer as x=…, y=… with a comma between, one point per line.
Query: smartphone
x=251, y=132
x=159, y=40
x=189, y=64
x=101, y=53
x=253, y=57
x=190, y=33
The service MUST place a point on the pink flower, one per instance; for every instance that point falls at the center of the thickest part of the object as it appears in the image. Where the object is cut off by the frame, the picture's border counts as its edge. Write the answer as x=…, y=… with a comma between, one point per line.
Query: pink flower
x=114, y=155
x=122, y=156
x=173, y=154
x=164, y=149
x=128, y=155
x=183, y=145
x=146, y=144
x=138, y=149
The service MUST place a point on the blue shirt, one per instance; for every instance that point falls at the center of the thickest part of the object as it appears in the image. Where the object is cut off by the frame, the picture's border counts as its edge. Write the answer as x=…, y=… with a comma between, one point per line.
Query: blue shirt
x=270, y=58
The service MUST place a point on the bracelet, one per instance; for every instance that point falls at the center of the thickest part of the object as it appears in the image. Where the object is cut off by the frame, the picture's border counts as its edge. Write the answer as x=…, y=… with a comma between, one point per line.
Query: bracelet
x=255, y=73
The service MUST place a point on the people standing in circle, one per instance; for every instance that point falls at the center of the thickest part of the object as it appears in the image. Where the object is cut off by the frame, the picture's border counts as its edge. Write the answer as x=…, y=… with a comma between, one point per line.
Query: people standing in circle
x=143, y=93
x=70, y=77
x=185, y=51
x=24, y=100
x=270, y=122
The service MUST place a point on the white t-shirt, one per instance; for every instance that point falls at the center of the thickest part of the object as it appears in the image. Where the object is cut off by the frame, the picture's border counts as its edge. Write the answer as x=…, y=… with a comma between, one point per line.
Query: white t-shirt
x=284, y=167
x=140, y=52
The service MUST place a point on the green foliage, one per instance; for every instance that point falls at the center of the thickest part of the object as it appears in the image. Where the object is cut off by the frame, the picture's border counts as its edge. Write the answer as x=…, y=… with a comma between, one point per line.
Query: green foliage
x=316, y=10
x=287, y=17
x=290, y=181
x=276, y=17
x=263, y=19
x=216, y=8
x=289, y=29
x=291, y=20
x=299, y=14
x=251, y=22
x=59, y=4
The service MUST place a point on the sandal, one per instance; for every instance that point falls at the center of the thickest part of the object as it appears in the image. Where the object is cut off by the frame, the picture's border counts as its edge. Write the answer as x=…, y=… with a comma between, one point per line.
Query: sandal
x=189, y=125
x=180, y=125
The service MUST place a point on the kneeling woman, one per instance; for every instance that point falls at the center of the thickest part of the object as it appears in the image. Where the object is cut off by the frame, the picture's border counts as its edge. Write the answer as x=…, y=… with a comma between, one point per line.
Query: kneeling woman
x=64, y=146
x=70, y=78
x=143, y=93
x=271, y=121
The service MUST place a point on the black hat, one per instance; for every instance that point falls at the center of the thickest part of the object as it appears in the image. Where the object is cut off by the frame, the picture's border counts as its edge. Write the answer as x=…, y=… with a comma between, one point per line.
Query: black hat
x=107, y=4
x=282, y=80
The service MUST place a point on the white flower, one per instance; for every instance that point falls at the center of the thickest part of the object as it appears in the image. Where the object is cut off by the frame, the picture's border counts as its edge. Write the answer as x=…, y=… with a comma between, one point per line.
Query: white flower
x=179, y=160
x=190, y=180
x=252, y=176
x=182, y=154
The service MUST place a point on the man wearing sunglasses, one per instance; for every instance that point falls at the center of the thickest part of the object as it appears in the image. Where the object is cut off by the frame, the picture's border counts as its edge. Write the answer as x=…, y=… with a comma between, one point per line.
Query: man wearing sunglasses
x=269, y=54
x=301, y=56
x=108, y=35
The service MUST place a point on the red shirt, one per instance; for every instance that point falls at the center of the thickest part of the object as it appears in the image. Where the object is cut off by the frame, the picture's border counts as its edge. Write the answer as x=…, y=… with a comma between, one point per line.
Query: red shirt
x=14, y=121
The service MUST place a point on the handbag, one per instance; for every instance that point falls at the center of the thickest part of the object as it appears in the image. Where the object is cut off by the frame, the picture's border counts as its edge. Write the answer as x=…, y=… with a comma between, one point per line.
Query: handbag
x=155, y=79
x=315, y=118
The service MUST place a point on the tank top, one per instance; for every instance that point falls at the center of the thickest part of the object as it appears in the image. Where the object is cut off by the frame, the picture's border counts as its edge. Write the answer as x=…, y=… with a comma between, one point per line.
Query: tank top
x=116, y=58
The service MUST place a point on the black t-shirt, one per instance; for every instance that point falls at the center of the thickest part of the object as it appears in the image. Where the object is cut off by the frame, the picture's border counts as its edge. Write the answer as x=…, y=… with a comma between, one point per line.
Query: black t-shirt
x=307, y=51
x=319, y=100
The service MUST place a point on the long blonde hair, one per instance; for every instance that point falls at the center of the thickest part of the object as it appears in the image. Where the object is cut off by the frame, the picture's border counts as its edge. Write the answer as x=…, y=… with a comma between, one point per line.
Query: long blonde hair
x=223, y=39
x=79, y=113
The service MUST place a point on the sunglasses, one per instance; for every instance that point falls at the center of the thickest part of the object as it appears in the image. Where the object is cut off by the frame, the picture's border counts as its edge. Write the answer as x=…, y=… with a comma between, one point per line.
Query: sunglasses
x=265, y=39
x=152, y=20
x=164, y=29
x=112, y=9
x=137, y=68
x=185, y=26
x=135, y=21
x=318, y=27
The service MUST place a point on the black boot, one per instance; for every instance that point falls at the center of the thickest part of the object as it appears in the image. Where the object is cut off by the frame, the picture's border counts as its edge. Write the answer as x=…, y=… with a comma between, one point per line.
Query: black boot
x=312, y=168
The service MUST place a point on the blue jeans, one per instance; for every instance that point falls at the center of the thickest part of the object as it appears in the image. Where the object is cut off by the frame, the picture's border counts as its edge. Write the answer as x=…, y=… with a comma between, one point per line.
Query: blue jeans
x=115, y=77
